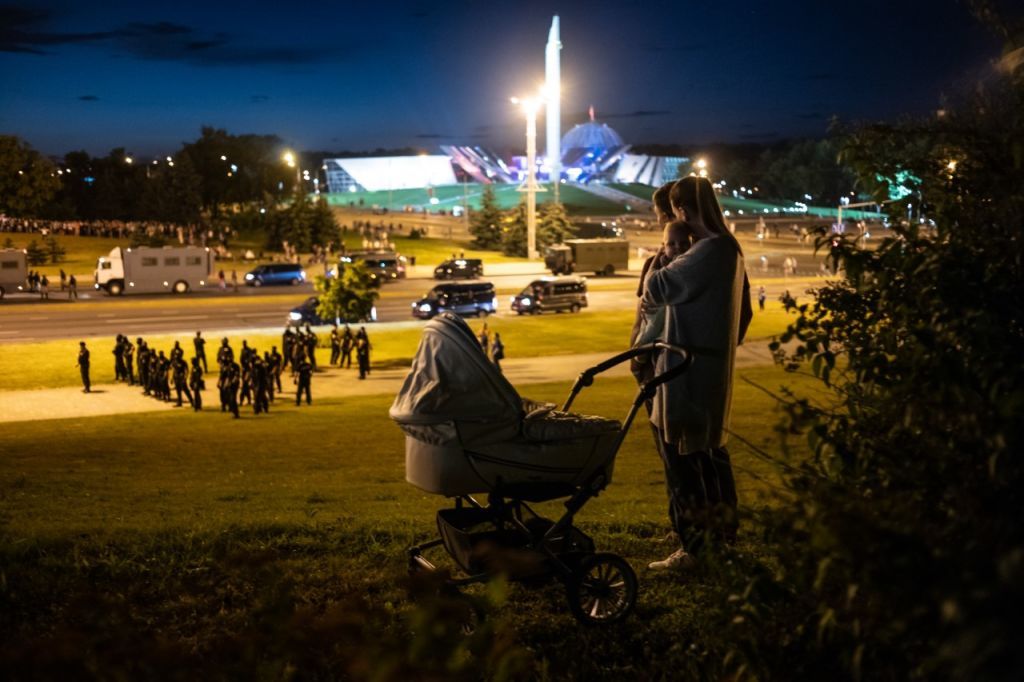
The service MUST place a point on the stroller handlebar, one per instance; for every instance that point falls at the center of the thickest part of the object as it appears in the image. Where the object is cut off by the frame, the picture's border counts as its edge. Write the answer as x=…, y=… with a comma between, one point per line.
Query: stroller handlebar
x=586, y=377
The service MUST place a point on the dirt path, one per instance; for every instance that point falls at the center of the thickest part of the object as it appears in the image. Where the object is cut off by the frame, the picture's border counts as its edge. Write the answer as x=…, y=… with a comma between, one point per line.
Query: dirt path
x=108, y=399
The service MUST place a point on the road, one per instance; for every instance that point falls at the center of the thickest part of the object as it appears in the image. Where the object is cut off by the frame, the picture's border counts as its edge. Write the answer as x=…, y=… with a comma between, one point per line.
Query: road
x=212, y=311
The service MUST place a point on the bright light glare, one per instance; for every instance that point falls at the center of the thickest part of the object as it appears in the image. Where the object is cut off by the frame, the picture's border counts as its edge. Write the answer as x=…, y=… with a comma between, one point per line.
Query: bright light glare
x=289, y=159
x=702, y=163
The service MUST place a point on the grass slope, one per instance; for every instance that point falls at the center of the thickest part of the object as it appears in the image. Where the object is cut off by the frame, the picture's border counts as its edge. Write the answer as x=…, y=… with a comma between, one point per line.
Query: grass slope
x=166, y=544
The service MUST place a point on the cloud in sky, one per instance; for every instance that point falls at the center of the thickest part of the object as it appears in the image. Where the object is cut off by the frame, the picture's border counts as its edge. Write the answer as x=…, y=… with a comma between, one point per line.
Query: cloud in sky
x=88, y=98
x=23, y=30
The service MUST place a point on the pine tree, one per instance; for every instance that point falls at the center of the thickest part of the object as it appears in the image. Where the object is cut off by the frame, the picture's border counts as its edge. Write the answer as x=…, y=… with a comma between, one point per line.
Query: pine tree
x=513, y=232
x=55, y=250
x=553, y=225
x=35, y=254
x=349, y=297
x=486, y=224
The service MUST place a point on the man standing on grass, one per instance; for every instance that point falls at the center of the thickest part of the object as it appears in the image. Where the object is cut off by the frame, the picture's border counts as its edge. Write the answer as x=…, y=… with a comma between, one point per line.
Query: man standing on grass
x=275, y=367
x=196, y=383
x=83, y=366
x=347, y=342
x=200, y=343
x=180, y=371
x=335, y=345
x=303, y=379
x=228, y=385
x=72, y=288
x=258, y=373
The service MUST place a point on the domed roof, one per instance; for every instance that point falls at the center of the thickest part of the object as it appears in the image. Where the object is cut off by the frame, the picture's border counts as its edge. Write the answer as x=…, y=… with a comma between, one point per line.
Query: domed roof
x=591, y=135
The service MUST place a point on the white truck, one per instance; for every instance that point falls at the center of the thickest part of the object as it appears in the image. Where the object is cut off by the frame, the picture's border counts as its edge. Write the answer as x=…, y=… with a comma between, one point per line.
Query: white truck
x=146, y=270
x=13, y=270
x=600, y=256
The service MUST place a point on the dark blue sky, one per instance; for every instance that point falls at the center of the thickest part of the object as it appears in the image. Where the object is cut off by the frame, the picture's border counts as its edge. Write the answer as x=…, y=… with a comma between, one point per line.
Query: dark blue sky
x=358, y=75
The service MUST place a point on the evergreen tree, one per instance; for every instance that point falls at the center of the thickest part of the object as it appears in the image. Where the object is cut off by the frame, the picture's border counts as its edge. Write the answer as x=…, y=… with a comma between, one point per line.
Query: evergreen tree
x=513, y=231
x=553, y=225
x=27, y=179
x=486, y=224
x=35, y=254
x=55, y=250
x=350, y=296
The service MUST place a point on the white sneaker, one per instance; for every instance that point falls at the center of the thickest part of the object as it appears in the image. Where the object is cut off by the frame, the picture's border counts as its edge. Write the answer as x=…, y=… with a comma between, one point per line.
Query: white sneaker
x=679, y=560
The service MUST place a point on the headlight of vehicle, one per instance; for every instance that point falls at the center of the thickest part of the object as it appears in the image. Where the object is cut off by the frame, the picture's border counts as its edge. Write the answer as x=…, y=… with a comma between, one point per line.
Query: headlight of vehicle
x=249, y=276
x=295, y=316
x=425, y=307
x=373, y=313
x=525, y=301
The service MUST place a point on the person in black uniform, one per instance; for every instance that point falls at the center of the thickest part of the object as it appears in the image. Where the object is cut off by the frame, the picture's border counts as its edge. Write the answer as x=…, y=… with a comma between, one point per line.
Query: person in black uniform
x=128, y=352
x=228, y=385
x=275, y=366
x=245, y=357
x=164, y=376
x=303, y=378
x=196, y=383
x=83, y=366
x=347, y=343
x=268, y=364
x=311, y=344
x=260, y=401
x=225, y=355
x=287, y=339
x=179, y=368
x=200, y=343
x=177, y=351
x=363, y=356
x=335, y=345
x=140, y=356
x=118, y=352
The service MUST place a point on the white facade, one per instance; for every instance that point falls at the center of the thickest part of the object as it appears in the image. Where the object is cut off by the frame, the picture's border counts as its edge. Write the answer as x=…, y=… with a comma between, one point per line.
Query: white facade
x=374, y=174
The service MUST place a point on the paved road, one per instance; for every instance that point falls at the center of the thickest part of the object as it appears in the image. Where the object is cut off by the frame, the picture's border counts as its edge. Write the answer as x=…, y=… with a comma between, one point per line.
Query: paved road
x=249, y=309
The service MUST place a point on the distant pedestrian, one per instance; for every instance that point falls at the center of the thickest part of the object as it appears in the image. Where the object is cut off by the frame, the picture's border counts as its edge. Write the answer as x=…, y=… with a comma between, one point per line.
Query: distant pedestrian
x=44, y=288
x=276, y=365
x=220, y=281
x=83, y=366
x=234, y=280
x=497, y=351
x=196, y=383
x=347, y=343
x=363, y=356
x=72, y=288
x=63, y=279
x=303, y=380
x=761, y=296
x=200, y=344
x=335, y=345
x=485, y=339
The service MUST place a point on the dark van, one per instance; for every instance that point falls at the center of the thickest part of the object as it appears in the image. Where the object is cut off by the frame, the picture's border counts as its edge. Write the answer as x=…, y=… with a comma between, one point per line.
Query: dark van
x=552, y=293
x=276, y=273
x=459, y=268
x=384, y=266
x=307, y=314
x=477, y=298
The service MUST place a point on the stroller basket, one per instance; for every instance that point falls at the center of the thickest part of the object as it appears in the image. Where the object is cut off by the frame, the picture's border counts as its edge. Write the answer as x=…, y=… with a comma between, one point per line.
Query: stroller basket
x=462, y=530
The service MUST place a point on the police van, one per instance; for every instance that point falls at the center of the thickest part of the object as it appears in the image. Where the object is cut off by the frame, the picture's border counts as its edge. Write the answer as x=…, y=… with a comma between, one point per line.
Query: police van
x=552, y=293
x=477, y=299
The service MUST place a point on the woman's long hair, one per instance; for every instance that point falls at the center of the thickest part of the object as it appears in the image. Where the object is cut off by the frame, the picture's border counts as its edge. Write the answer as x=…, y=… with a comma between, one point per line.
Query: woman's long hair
x=697, y=197
x=661, y=199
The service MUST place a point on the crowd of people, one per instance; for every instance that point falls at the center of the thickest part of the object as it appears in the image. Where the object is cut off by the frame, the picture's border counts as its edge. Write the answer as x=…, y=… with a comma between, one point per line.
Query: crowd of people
x=38, y=283
x=111, y=229
x=252, y=378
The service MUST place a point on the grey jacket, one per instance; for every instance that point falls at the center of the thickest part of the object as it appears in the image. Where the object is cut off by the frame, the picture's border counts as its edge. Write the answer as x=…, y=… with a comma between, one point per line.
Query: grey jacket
x=695, y=301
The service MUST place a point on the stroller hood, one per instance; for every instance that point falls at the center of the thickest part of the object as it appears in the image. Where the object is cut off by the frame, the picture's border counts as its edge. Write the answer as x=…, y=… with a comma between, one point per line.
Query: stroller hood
x=452, y=381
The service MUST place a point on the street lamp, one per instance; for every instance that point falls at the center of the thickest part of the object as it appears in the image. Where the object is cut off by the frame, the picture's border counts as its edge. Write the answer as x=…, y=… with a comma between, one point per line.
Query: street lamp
x=702, y=167
x=530, y=107
x=289, y=159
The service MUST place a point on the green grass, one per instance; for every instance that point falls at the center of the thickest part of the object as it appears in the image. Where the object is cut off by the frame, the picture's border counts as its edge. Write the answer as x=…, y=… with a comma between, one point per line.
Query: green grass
x=576, y=201
x=175, y=541
x=51, y=364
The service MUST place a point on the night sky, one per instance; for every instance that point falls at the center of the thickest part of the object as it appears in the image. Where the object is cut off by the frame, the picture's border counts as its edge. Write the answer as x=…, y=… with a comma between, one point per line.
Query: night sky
x=359, y=75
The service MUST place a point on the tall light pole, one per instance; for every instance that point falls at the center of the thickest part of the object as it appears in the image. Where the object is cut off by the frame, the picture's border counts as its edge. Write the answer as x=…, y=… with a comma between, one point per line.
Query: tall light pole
x=289, y=159
x=530, y=107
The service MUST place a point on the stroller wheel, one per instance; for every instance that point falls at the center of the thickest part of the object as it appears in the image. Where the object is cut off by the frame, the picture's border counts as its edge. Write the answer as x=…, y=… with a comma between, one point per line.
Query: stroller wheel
x=602, y=589
x=465, y=609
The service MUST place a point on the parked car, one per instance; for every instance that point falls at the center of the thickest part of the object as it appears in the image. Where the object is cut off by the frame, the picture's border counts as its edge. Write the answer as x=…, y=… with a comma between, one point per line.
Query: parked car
x=459, y=268
x=476, y=298
x=307, y=314
x=276, y=273
x=552, y=293
x=384, y=266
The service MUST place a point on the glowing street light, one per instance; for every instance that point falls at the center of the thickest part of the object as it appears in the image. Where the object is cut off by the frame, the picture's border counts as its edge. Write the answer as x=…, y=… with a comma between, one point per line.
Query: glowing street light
x=530, y=106
x=702, y=167
x=128, y=160
x=289, y=159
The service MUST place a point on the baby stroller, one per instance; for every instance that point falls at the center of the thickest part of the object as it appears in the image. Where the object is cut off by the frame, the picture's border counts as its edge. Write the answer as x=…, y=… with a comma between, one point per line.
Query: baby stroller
x=468, y=432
